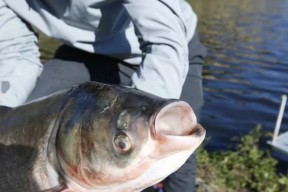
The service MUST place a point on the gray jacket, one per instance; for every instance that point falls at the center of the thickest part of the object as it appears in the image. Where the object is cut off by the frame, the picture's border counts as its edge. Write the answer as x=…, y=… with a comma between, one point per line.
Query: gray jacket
x=152, y=33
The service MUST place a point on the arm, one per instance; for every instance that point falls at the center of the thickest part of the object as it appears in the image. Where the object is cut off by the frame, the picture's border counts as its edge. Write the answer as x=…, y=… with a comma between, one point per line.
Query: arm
x=20, y=65
x=163, y=40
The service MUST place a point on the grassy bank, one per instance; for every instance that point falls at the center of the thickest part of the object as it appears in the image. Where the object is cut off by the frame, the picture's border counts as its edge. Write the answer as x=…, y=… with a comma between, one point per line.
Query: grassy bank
x=246, y=169
x=47, y=47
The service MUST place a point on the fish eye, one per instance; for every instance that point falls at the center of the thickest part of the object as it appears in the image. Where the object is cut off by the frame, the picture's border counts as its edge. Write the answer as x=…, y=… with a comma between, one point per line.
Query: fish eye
x=122, y=142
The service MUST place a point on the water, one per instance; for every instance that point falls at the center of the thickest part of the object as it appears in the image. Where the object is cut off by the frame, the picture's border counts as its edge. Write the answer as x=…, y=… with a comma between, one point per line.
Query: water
x=246, y=70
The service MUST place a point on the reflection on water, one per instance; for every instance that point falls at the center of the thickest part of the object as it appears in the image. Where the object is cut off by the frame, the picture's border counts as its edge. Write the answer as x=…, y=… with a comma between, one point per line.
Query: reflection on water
x=246, y=70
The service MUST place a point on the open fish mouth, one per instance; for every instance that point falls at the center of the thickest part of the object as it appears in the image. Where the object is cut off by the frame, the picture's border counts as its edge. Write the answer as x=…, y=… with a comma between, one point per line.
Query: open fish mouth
x=177, y=119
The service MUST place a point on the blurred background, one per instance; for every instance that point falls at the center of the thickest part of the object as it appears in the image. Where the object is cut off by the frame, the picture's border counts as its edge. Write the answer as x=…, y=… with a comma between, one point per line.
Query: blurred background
x=246, y=70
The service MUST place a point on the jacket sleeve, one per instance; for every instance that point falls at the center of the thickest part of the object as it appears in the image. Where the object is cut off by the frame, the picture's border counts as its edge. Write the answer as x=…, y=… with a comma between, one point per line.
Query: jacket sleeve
x=163, y=40
x=20, y=65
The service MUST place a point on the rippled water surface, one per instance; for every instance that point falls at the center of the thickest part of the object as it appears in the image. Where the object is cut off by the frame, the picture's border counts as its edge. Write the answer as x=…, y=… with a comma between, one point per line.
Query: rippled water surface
x=246, y=70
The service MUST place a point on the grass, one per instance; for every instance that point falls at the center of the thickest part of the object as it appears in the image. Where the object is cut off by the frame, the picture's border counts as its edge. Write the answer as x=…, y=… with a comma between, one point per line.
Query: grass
x=247, y=168
x=47, y=47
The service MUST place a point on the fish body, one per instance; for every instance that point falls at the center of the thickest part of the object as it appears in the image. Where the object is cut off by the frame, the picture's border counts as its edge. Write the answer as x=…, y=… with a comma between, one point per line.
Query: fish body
x=95, y=138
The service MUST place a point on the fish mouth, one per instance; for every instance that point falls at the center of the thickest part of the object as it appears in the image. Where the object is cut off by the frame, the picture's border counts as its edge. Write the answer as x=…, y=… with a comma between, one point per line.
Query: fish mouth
x=177, y=119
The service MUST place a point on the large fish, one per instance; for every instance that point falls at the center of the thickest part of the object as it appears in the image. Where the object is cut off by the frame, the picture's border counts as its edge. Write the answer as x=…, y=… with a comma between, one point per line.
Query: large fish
x=95, y=138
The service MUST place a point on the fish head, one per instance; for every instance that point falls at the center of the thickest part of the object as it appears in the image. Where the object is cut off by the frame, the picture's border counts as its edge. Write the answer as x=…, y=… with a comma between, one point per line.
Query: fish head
x=120, y=139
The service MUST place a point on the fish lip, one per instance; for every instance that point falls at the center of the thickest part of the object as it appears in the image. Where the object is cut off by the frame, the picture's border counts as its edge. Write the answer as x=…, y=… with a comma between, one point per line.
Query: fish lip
x=194, y=130
x=154, y=117
x=198, y=130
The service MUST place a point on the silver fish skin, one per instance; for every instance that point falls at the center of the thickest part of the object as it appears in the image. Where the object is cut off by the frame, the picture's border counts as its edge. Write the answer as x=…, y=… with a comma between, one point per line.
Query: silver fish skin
x=95, y=137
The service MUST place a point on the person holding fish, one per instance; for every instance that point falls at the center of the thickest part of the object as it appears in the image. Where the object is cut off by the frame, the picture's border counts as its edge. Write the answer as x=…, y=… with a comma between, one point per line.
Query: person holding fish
x=150, y=45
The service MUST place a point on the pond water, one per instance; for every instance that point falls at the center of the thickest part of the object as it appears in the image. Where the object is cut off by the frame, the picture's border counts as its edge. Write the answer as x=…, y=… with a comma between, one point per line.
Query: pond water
x=246, y=70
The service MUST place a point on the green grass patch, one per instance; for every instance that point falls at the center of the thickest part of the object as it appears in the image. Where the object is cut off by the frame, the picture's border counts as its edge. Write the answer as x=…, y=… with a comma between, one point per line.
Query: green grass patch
x=245, y=169
x=47, y=47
